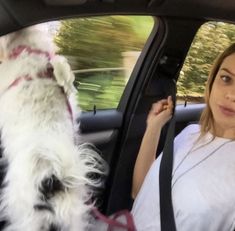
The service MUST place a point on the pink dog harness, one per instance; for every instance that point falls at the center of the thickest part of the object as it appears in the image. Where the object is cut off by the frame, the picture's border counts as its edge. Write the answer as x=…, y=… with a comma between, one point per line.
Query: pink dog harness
x=18, y=50
x=48, y=73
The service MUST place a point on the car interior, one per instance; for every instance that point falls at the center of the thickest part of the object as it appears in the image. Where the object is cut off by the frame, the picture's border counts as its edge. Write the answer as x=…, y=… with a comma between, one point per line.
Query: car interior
x=117, y=132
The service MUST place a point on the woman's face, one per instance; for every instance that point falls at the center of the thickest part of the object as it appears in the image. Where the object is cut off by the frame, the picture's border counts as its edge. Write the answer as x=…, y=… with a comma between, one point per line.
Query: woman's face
x=222, y=99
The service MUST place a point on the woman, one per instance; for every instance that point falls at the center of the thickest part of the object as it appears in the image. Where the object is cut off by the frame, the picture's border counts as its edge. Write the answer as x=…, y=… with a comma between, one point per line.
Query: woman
x=203, y=177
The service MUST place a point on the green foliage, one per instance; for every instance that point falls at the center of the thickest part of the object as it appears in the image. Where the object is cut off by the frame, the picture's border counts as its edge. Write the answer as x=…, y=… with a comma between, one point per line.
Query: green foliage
x=98, y=42
x=211, y=39
x=103, y=90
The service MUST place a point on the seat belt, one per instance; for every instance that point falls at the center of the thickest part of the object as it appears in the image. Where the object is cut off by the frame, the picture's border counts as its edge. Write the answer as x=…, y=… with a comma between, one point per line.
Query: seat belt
x=165, y=176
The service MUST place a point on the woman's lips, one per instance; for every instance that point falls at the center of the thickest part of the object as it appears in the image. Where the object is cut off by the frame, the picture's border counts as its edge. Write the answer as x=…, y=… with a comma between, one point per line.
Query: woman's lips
x=227, y=111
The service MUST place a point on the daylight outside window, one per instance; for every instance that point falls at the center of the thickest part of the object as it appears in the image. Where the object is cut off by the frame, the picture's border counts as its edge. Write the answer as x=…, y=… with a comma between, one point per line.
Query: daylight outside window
x=211, y=39
x=102, y=52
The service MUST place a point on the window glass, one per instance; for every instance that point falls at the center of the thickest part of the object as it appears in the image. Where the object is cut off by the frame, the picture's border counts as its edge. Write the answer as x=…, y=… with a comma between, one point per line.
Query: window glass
x=211, y=39
x=102, y=52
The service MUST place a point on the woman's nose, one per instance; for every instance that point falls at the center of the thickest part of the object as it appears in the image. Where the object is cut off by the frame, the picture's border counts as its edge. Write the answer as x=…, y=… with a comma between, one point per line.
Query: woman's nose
x=230, y=95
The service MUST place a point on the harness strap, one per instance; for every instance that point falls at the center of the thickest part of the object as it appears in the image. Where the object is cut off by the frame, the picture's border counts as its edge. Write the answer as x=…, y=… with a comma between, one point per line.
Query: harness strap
x=23, y=48
x=47, y=73
x=112, y=222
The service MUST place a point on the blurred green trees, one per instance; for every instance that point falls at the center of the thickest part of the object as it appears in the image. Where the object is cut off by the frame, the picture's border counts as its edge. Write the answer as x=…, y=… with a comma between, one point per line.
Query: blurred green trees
x=95, y=43
x=211, y=39
x=98, y=42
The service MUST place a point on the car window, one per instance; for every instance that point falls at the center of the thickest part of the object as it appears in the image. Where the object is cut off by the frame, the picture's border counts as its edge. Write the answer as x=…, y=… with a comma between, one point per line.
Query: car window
x=211, y=39
x=102, y=52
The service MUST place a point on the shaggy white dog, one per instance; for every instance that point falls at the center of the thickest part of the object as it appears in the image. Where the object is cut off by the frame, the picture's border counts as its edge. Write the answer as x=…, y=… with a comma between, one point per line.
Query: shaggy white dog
x=47, y=184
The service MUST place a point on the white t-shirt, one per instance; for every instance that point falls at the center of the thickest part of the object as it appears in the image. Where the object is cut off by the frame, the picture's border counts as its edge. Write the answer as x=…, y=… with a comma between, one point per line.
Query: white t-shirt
x=203, y=185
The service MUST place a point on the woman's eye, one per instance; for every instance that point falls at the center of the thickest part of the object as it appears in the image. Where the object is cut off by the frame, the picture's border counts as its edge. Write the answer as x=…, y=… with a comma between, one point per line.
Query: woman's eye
x=225, y=78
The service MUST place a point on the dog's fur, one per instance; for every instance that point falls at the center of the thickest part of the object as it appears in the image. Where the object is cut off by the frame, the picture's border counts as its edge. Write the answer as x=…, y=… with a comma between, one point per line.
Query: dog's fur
x=47, y=185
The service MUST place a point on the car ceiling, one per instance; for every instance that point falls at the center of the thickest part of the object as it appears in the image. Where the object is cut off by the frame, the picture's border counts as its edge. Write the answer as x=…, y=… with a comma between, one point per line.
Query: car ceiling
x=15, y=14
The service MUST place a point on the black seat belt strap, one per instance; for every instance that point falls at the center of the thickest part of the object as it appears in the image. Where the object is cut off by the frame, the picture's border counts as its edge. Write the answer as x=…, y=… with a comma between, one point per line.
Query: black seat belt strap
x=165, y=176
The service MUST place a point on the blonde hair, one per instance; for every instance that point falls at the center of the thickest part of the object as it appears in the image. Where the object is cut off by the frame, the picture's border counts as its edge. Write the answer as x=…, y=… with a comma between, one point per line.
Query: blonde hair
x=207, y=120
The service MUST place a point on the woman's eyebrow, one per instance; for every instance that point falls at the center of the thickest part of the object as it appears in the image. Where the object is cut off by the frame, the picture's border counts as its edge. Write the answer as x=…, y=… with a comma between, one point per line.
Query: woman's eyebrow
x=227, y=70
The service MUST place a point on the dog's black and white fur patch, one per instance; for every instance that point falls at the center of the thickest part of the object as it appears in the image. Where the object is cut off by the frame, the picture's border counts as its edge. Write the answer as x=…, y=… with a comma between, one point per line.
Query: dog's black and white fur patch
x=46, y=184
